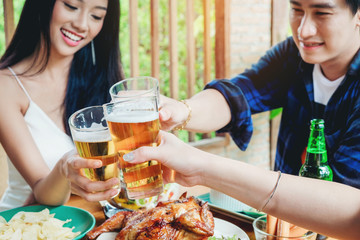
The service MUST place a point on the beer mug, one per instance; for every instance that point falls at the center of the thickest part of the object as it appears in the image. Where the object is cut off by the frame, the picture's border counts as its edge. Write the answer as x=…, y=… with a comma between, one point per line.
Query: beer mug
x=135, y=87
x=92, y=139
x=134, y=122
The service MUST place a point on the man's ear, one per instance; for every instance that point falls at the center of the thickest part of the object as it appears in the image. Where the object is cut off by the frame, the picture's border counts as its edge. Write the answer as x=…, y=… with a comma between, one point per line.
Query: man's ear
x=358, y=18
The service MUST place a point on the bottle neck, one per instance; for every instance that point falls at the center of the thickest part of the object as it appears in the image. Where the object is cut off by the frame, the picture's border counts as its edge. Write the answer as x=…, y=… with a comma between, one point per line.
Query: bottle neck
x=316, y=153
x=316, y=158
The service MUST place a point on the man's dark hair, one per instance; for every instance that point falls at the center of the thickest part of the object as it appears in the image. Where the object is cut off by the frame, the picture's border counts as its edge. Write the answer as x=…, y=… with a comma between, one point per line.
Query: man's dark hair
x=354, y=5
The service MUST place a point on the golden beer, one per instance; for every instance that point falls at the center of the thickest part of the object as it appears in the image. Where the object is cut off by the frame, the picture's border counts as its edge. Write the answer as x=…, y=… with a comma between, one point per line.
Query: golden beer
x=92, y=139
x=104, y=151
x=130, y=131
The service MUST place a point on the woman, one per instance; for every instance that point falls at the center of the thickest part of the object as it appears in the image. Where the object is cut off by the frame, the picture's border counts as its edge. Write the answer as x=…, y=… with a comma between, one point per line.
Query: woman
x=64, y=56
x=325, y=207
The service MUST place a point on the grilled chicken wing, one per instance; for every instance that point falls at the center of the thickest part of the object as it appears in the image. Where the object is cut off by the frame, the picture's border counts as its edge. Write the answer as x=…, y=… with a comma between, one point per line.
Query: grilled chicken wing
x=114, y=223
x=186, y=219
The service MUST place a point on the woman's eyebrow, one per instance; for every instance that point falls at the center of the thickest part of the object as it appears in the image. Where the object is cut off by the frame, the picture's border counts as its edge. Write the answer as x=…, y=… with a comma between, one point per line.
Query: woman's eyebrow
x=98, y=7
x=101, y=8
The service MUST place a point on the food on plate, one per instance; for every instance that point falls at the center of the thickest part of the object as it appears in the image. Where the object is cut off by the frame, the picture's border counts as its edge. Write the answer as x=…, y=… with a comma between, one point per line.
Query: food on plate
x=170, y=193
x=224, y=238
x=35, y=225
x=186, y=219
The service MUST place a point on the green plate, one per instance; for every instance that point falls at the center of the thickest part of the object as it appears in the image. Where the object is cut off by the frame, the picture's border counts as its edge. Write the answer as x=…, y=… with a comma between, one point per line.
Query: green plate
x=82, y=220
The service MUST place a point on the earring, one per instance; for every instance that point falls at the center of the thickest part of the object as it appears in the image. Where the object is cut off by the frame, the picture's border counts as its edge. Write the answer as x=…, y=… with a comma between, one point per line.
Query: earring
x=93, y=53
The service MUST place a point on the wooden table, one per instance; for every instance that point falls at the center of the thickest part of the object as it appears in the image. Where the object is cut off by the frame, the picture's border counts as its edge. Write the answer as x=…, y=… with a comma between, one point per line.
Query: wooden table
x=95, y=209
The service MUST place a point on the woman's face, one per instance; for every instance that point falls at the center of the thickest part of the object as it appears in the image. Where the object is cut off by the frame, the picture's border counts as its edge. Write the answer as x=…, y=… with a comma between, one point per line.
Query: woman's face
x=75, y=23
x=325, y=31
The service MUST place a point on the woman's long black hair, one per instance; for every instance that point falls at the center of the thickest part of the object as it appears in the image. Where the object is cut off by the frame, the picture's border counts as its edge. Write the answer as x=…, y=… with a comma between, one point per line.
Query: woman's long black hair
x=88, y=84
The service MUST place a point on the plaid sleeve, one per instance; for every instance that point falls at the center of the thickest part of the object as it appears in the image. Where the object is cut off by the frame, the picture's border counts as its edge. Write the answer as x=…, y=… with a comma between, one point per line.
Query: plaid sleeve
x=240, y=126
x=261, y=88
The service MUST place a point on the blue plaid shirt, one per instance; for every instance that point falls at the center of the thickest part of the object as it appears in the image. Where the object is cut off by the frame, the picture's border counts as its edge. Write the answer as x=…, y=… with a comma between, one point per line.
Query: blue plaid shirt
x=282, y=79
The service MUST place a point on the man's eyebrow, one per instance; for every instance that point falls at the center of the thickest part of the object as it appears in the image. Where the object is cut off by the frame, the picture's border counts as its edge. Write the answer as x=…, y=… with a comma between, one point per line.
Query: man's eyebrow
x=295, y=3
x=317, y=5
x=322, y=5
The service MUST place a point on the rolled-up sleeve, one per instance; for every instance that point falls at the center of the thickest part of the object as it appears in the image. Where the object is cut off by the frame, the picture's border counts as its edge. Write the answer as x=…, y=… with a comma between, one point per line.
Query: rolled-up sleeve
x=261, y=88
x=240, y=127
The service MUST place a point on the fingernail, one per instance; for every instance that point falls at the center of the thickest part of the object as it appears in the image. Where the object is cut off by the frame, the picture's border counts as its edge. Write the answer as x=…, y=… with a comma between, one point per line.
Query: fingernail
x=97, y=164
x=129, y=157
x=114, y=192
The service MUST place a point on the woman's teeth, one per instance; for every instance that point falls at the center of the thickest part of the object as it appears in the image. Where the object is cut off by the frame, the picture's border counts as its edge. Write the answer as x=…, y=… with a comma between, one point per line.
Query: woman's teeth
x=71, y=36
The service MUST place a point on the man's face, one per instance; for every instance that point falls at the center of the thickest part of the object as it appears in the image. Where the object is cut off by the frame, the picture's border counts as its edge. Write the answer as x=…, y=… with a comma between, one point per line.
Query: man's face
x=325, y=31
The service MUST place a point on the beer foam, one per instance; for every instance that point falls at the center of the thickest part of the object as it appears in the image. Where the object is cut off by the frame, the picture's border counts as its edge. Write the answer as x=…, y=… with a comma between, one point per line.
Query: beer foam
x=133, y=117
x=98, y=136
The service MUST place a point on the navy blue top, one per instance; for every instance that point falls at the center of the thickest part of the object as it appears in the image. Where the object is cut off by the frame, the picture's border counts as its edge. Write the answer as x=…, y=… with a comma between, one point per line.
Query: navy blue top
x=282, y=79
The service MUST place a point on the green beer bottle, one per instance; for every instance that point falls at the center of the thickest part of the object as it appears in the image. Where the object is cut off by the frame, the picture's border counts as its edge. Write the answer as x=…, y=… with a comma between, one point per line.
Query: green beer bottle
x=316, y=165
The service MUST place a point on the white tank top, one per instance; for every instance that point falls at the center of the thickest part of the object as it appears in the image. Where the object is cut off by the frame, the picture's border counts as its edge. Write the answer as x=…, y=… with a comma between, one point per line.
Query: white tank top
x=52, y=143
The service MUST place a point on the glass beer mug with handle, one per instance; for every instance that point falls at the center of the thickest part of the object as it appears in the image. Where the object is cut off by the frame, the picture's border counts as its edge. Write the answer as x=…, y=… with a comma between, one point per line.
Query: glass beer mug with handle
x=92, y=139
x=134, y=122
x=134, y=88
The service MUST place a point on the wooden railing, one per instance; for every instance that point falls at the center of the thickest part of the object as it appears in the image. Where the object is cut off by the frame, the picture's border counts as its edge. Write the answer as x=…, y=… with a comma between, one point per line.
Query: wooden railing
x=9, y=25
x=221, y=49
x=222, y=43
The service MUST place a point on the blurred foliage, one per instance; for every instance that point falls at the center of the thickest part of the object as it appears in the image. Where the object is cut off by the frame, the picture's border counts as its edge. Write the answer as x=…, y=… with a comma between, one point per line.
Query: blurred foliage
x=144, y=42
x=275, y=112
x=164, y=60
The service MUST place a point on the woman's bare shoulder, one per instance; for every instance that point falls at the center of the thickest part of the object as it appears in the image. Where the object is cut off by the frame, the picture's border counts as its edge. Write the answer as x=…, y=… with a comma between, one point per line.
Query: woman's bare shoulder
x=10, y=90
x=6, y=75
x=7, y=81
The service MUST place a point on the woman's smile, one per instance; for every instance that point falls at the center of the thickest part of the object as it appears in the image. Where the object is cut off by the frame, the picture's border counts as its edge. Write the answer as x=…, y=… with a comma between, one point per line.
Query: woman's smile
x=71, y=38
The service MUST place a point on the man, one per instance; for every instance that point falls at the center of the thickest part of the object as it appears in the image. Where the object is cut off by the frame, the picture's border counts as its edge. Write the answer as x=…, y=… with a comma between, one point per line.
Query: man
x=313, y=74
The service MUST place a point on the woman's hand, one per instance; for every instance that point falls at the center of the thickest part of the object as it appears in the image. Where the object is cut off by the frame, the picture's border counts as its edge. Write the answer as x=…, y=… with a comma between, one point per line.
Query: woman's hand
x=173, y=154
x=71, y=167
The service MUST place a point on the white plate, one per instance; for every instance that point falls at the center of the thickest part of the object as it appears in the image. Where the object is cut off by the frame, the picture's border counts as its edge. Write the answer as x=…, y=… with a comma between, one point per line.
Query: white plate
x=222, y=228
x=107, y=236
x=227, y=229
